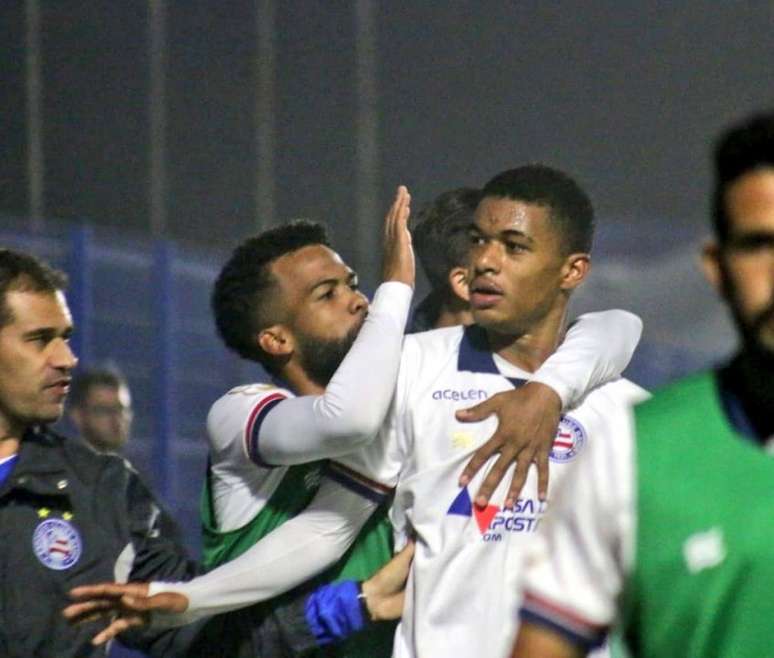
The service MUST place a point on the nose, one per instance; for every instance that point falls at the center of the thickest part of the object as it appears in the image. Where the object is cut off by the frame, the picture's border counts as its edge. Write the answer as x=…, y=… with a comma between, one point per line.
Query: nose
x=358, y=302
x=62, y=357
x=487, y=257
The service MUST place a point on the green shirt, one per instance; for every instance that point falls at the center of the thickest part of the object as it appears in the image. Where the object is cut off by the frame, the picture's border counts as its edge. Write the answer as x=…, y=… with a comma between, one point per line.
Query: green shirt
x=372, y=549
x=703, y=576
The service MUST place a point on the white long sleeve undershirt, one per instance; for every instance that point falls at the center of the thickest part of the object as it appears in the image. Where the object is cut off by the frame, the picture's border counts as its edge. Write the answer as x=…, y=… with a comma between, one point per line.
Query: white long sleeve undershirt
x=298, y=550
x=596, y=349
x=350, y=412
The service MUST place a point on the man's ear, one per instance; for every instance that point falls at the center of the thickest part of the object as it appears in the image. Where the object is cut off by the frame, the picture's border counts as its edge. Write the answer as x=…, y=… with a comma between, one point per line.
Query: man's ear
x=458, y=282
x=276, y=340
x=575, y=269
x=712, y=267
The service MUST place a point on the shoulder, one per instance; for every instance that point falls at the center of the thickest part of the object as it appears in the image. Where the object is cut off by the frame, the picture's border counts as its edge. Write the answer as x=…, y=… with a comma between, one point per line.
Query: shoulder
x=80, y=460
x=427, y=353
x=607, y=410
x=620, y=392
x=674, y=398
x=433, y=344
x=684, y=406
x=242, y=399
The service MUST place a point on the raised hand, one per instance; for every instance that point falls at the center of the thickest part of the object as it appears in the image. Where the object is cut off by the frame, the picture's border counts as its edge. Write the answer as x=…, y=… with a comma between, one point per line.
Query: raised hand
x=398, y=263
x=528, y=418
x=122, y=605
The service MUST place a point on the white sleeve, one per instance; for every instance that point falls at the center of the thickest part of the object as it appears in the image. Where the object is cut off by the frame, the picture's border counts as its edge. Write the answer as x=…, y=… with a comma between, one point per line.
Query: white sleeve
x=354, y=404
x=596, y=350
x=576, y=565
x=299, y=549
x=376, y=467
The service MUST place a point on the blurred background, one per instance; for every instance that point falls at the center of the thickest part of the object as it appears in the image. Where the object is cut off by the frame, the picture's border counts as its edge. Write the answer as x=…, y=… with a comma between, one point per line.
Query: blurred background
x=142, y=140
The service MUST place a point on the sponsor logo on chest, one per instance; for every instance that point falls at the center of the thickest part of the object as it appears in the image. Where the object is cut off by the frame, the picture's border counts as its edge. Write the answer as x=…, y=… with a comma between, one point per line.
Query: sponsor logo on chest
x=495, y=522
x=460, y=394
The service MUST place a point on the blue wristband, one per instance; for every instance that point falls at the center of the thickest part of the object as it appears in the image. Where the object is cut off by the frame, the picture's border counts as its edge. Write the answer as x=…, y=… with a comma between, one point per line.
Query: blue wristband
x=335, y=611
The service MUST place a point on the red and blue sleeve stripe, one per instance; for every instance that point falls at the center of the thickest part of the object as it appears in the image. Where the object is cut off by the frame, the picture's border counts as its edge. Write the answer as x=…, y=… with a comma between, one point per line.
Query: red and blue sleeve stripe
x=358, y=483
x=253, y=427
x=577, y=630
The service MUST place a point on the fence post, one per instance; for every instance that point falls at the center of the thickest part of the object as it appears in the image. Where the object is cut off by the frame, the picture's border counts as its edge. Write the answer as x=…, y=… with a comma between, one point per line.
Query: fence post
x=81, y=293
x=164, y=375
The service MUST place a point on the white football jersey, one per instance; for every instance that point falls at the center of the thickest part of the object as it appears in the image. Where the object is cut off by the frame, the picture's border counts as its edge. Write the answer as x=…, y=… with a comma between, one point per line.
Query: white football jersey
x=241, y=483
x=464, y=587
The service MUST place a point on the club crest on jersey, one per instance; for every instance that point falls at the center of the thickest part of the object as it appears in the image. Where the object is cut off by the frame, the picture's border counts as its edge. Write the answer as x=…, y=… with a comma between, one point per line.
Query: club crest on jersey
x=57, y=544
x=569, y=441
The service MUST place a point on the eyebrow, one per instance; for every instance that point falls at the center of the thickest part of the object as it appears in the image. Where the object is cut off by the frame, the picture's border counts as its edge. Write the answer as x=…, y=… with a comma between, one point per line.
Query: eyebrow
x=506, y=233
x=48, y=332
x=515, y=233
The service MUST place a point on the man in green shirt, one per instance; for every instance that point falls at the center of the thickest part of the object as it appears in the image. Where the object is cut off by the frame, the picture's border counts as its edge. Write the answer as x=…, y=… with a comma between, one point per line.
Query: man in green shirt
x=682, y=560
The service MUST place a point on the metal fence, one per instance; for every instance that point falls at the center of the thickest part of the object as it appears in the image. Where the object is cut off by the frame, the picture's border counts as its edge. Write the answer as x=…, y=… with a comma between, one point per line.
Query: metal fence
x=144, y=306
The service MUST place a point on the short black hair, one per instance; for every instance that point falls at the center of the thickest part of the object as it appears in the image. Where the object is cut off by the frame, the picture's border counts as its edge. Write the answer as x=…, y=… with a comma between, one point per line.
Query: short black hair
x=742, y=148
x=85, y=380
x=441, y=234
x=22, y=272
x=570, y=206
x=245, y=288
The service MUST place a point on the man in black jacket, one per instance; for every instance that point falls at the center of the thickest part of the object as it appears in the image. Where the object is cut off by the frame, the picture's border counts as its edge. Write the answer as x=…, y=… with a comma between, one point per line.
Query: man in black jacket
x=68, y=515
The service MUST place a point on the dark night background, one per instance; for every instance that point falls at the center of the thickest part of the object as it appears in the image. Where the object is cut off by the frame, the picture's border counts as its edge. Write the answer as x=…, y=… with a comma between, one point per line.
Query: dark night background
x=622, y=94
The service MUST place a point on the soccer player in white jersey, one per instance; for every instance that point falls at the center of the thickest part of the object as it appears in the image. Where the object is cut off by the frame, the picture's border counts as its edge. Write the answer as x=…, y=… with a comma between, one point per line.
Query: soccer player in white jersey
x=676, y=546
x=296, y=550
x=532, y=237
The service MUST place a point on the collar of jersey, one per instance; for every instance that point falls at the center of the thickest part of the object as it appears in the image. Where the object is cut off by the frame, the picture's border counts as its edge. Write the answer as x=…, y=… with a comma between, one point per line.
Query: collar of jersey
x=735, y=413
x=475, y=355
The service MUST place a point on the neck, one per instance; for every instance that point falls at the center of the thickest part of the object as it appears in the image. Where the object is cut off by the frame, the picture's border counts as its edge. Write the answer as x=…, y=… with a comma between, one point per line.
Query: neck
x=299, y=382
x=10, y=438
x=529, y=348
x=8, y=447
x=452, y=315
x=750, y=377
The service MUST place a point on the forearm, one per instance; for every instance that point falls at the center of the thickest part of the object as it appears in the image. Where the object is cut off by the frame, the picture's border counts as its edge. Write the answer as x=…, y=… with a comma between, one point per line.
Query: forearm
x=355, y=401
x=596, y=350
x=295, y=552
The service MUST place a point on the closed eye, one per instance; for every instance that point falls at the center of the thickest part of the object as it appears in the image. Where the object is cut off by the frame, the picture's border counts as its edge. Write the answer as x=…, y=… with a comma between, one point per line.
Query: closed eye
x=516, y=247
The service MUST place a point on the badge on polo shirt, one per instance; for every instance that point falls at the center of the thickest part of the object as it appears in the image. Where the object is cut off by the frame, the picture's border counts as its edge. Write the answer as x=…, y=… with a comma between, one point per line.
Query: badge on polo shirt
x=569, y=441
x=57, y=544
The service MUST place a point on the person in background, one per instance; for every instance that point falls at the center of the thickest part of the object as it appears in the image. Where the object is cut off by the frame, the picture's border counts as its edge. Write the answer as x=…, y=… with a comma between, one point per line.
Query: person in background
x=441, y=237
x=100, y=408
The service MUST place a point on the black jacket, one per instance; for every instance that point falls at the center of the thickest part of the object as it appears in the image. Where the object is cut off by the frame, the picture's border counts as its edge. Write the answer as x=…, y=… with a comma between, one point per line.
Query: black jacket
x=71, y=516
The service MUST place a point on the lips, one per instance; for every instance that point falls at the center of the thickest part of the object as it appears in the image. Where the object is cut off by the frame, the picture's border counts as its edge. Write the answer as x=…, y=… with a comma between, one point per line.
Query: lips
x=60, y=387
x=484, y=294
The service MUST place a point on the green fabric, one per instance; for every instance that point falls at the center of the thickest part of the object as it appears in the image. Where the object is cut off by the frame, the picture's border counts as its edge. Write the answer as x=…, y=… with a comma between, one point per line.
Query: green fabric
x=703, y=572
x=616, y=645
x=293, y=494
x=371, y=549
